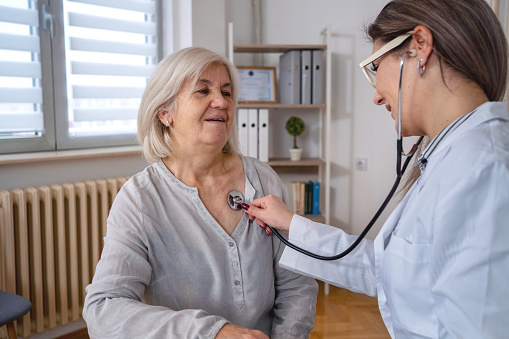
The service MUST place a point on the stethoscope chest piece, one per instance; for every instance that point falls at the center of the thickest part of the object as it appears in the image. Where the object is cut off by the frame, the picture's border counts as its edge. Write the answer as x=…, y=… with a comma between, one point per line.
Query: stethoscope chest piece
x=234, y=199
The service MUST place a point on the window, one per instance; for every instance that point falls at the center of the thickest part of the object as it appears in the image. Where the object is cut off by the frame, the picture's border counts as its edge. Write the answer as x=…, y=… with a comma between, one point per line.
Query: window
x=72, y=72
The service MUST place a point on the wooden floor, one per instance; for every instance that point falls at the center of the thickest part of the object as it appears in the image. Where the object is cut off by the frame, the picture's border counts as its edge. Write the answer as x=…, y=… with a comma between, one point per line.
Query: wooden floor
x=341, y=314
x=81, y=334
x=348, y=315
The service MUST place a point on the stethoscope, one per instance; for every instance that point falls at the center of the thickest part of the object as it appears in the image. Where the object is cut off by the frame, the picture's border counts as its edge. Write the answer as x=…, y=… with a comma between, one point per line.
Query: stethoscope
x=235, y=199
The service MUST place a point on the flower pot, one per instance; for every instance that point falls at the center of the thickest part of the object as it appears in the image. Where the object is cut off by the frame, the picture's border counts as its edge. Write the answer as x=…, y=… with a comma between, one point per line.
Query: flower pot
x=295, y=154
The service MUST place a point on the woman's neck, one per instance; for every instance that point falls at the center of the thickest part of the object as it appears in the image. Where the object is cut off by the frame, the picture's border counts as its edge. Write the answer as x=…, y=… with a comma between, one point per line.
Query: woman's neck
x=449, y=104
x=196, y=170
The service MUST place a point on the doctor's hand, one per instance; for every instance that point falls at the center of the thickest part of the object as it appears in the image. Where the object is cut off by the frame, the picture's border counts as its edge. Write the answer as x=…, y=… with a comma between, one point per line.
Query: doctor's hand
x=230, y=331
x=270, y=210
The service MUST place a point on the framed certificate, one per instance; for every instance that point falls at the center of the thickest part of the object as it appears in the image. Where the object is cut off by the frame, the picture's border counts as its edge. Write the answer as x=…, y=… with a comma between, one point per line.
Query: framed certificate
x=257, y=84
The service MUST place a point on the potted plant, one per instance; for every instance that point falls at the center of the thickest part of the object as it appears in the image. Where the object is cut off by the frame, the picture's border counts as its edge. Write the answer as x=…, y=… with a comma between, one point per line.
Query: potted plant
x=295, y=127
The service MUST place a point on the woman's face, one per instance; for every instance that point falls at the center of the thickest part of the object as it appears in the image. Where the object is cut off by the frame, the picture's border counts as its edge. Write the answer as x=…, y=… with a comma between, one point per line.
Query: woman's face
x=204, y=112
x=387, y=88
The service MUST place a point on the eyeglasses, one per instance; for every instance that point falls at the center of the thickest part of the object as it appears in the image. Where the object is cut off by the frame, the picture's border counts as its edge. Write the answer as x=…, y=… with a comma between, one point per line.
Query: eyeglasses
x=369, y=68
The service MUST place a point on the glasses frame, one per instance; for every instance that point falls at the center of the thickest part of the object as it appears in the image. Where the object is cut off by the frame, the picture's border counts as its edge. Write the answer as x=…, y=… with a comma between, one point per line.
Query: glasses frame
x=381, y=52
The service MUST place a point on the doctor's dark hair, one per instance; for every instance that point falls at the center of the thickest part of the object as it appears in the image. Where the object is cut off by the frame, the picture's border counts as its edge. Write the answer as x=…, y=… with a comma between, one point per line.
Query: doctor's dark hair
x=467, y=37
x=165, y=83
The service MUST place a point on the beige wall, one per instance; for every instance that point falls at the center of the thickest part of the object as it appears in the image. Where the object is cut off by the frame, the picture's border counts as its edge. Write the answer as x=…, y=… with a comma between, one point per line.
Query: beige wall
x=360, y=129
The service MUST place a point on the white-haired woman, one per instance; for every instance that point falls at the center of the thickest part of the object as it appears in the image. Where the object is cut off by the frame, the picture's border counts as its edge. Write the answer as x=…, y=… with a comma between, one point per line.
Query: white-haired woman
x=177, y=261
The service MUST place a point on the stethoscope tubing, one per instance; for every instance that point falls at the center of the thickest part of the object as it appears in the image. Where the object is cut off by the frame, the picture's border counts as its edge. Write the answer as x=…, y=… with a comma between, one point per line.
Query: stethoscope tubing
x=399, y=173
x=364, y=232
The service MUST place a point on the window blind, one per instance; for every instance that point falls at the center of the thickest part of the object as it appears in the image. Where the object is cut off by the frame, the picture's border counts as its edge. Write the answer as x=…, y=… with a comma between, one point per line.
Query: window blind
x=110, y=52
x=20, y=70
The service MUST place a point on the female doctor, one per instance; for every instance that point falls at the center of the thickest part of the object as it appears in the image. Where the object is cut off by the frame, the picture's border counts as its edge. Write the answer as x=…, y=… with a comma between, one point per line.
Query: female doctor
x=440, y=264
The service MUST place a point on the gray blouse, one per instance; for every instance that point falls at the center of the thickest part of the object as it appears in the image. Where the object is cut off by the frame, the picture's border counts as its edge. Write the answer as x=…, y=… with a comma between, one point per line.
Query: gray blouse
x=169, y=270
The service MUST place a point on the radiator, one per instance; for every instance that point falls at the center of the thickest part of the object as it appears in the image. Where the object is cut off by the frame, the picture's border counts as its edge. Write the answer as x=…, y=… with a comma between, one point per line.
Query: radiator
x=51, y=239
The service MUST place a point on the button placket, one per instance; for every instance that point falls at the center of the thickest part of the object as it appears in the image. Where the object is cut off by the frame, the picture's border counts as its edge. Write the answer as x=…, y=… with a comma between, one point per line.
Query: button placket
x=238, y=289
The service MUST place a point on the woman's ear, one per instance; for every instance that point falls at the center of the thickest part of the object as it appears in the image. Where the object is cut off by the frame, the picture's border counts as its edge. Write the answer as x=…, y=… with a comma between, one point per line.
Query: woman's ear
x=165, y=116
x=422, y=41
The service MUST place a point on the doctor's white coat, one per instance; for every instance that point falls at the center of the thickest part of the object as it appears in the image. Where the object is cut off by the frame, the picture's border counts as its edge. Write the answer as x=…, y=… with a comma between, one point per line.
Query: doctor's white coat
x=440, y=264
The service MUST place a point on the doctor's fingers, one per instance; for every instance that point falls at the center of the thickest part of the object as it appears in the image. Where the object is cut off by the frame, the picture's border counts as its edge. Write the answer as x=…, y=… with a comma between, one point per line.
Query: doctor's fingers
x=263, y=208
x=272, y=211
x=269, y=203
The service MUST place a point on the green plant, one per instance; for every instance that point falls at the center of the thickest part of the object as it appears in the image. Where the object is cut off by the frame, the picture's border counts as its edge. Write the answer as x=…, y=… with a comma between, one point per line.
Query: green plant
x=295, y=126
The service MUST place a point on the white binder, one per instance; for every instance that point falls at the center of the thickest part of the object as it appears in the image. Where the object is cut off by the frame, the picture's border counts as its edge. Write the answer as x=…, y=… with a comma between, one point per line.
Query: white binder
x=305, y=77
x=289, y=77
x=252, y=148
x=242, y=126
x=263, y=134
x=316, y=77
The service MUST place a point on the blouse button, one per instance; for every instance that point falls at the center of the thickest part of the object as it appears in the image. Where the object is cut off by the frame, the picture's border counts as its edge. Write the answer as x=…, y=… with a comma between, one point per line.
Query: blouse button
x=235, y=263
x=236, y=282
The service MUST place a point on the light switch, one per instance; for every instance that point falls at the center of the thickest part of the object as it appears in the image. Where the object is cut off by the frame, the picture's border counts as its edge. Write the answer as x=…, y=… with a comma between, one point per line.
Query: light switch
x=361, y=164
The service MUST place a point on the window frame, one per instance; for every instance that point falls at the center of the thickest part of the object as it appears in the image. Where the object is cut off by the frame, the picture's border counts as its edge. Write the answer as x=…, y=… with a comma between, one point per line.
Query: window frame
x=55, y=102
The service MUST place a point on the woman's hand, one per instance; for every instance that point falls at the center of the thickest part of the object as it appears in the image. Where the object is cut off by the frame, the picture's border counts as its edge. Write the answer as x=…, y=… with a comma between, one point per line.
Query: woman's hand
x=230, y=331
x=270, y=210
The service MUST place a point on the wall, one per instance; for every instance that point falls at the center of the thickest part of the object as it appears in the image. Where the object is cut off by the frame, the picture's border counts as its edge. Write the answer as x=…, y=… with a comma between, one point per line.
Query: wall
x=47, y=172
x=360, y=129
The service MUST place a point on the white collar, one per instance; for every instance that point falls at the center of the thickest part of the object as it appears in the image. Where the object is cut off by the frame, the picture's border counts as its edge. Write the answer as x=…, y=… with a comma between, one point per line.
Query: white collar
x=423, y=158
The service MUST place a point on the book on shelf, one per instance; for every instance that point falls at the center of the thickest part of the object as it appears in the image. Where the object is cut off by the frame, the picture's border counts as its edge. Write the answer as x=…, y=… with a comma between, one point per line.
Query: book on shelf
x=316, y=77
x=315, y=209
x=242, y=125
x=263, y=134
x=305, y=77
x=253, y=132
x=304, y=197
x=289, y=77
x=300, y=77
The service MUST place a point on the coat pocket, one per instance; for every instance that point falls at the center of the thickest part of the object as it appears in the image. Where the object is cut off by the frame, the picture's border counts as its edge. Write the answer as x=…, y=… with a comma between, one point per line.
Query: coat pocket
x=405, y=276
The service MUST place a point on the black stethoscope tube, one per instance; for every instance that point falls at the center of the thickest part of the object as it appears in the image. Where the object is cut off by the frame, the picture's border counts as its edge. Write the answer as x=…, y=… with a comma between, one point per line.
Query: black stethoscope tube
x=373, y=220
x=399, y=173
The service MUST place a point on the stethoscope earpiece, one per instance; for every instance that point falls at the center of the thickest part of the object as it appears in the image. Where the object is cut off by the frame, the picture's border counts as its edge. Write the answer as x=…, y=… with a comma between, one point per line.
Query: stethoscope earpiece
x=412, y=52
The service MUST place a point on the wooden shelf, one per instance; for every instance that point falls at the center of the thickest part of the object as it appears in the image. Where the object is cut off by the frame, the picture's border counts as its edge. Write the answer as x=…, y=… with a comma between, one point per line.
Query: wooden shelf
x=279, y=162
x=298, y=106
x=249, y=48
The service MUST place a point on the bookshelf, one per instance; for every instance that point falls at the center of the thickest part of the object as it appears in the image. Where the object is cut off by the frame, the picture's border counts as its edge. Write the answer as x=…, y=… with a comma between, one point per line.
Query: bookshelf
x=320, y=162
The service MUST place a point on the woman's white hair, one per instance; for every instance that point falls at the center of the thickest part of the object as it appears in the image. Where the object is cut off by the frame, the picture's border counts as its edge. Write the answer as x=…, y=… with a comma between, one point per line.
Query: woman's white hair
x=164, y=84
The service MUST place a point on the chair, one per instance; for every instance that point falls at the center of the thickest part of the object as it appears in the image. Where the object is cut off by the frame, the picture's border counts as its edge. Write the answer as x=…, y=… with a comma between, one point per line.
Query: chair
x=12, y=307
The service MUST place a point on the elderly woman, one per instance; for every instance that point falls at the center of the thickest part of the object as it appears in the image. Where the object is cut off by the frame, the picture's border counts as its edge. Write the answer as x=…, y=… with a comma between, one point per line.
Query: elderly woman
x=177, y=261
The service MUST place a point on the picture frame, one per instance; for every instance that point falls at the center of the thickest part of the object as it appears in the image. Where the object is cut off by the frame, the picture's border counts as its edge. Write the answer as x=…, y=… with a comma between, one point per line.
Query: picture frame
x=257, y=85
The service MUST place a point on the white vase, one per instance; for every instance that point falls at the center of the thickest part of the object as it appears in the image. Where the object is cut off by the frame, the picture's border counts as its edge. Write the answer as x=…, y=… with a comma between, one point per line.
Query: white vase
x=295, y=154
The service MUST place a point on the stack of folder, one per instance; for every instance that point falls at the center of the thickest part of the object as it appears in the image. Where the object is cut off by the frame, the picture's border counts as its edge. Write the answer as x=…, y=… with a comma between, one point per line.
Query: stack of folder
x=300, y=77
x=253, y=127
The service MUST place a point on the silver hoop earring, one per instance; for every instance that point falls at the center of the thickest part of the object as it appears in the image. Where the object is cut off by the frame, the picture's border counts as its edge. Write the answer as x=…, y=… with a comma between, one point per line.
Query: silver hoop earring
x=421, y=73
